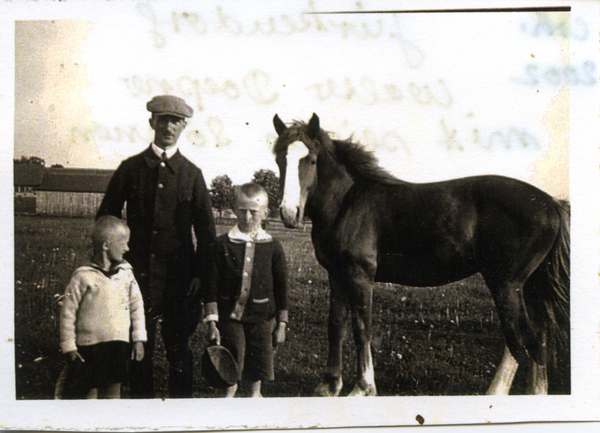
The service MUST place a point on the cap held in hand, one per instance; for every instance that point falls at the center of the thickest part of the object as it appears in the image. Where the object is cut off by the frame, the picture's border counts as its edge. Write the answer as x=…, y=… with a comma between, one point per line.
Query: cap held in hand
x=219, y=367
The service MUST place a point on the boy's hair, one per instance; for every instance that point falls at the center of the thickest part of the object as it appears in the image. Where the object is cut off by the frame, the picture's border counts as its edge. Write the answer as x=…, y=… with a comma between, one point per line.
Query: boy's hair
x=104, y=226
x=251, y=191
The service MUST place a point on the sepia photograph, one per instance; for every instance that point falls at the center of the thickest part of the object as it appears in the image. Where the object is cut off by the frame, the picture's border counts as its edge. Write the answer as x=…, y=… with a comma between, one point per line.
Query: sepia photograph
x=275, y=214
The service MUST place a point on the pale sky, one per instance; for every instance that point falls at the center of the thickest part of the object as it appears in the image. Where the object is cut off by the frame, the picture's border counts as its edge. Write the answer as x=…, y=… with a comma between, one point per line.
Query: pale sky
x=435, y=98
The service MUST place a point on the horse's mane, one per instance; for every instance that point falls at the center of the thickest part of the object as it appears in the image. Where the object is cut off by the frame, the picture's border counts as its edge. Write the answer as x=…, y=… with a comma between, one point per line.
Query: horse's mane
x=358, y=161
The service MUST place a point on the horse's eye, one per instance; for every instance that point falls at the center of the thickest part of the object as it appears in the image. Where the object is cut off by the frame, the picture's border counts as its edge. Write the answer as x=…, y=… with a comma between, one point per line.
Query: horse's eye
x=313, y=161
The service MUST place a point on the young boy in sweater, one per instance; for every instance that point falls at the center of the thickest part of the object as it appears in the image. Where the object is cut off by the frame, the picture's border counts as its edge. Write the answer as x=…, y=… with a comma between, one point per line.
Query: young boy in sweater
x=249, y=312
x=101, y=306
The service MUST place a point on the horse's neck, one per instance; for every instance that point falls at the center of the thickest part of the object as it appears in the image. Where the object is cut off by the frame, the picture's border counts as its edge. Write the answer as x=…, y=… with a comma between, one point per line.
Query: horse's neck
x=325, y=201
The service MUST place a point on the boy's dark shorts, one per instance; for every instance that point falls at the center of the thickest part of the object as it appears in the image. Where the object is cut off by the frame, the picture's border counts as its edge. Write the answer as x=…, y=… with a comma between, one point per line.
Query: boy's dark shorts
x=105, y=363
x=251, y=344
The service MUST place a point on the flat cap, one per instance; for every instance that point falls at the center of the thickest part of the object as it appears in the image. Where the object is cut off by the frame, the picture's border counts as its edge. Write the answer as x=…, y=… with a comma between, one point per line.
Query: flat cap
x=168, y=104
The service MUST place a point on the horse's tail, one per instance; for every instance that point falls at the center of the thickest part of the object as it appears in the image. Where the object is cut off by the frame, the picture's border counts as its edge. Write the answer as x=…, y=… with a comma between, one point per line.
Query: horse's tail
x=550, y=303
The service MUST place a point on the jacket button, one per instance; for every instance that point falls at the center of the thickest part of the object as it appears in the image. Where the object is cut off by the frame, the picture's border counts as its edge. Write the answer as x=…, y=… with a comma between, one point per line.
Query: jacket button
x=162, y=164
x=160, y=186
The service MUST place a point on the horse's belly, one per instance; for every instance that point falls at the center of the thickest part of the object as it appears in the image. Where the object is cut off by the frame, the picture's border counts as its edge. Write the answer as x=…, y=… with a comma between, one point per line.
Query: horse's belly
x=413, y=270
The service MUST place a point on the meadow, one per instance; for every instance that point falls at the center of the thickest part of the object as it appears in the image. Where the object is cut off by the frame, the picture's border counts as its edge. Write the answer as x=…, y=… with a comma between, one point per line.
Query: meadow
x=426, y=341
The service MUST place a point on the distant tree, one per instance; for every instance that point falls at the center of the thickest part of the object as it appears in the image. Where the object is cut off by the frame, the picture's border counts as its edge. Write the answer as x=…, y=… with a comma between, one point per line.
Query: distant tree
x=36, y=160
x=221, y=193
x=57, y=166
x=270, y=181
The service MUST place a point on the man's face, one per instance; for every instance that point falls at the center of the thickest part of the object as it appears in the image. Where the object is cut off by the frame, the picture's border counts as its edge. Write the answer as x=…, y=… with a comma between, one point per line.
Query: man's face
x=167, y=129
x=117, y=244
x=250, y=212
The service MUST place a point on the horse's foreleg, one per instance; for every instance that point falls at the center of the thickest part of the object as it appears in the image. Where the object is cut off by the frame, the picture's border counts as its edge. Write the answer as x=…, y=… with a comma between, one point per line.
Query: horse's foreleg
x=504, y=376
x=365, y=384
x=331, y=384
x=361, y=321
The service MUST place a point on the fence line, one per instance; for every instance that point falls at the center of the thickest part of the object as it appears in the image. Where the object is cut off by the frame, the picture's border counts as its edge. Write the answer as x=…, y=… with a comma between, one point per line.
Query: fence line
x=53, y=203
x=73, y=204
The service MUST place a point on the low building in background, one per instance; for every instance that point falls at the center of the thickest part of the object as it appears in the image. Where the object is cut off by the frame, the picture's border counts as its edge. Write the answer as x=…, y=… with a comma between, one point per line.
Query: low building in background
x=55, y=191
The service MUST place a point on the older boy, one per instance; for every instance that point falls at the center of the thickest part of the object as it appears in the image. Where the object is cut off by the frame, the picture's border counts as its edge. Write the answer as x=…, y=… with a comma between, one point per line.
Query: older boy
x=101, y=306
x=248, y=311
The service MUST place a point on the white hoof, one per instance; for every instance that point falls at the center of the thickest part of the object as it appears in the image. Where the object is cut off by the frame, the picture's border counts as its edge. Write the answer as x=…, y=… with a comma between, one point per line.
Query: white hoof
x=329, y=388
x=363, y=391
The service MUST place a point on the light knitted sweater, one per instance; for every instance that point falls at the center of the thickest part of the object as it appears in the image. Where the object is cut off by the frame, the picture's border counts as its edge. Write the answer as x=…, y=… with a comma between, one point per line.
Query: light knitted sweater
x=101, y=306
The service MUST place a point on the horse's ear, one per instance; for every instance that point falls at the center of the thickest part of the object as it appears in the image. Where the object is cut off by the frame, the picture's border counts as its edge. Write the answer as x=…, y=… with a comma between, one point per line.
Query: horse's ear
x=279, y=125
x=314, y=127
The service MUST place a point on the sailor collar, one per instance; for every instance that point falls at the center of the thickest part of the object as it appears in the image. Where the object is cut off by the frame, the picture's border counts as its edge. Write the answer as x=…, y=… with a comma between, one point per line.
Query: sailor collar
x=121, y=266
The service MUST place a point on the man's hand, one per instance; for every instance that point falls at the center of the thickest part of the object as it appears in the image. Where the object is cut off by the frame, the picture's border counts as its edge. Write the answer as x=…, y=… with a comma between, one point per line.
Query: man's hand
x=214, y=336
x=279, y=334
x=194, y=288
x=74, y=356
x=137, y=352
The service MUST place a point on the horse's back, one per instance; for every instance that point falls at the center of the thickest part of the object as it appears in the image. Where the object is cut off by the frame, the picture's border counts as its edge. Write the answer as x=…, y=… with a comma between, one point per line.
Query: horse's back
x=469, y=207
x=434, y=233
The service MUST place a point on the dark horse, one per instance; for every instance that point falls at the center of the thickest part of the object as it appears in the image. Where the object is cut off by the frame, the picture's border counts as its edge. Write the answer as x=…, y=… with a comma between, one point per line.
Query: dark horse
x=369, y=226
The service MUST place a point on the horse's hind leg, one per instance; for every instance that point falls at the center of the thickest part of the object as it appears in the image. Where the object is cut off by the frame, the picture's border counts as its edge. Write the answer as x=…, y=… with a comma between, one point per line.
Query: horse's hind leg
x=518, y=336
x=504, y=376
x=537, y=376
x=537, y=380
x=331, y=384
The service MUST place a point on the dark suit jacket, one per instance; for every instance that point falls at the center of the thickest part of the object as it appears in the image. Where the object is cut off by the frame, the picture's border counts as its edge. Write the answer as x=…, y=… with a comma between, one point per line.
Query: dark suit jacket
x=164, y=201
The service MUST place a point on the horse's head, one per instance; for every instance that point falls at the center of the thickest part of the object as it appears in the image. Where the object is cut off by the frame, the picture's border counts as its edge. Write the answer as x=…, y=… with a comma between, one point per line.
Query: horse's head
x=296, y=155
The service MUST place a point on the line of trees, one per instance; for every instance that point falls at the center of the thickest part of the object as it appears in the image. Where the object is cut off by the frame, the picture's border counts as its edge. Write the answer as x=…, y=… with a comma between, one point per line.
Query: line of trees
x=32, y=160
x=221, y=190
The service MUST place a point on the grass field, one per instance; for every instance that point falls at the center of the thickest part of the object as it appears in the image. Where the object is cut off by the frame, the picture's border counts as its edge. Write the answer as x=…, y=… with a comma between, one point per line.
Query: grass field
x=426, y=341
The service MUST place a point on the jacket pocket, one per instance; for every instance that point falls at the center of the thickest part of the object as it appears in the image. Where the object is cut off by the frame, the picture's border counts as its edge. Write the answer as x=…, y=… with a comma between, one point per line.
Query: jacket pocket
x=184, y=194
x=260, y=301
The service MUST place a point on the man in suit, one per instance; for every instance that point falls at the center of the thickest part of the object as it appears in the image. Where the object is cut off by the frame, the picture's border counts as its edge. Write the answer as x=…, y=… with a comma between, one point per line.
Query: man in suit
x=166, y=197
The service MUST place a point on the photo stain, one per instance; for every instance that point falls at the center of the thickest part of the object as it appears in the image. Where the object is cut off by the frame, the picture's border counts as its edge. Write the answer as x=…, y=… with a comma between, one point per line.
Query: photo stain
x=420, y=419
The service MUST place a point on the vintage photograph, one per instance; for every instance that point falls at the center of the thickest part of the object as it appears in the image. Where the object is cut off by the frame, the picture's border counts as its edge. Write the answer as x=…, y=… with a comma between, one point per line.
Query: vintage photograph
x=244, y=208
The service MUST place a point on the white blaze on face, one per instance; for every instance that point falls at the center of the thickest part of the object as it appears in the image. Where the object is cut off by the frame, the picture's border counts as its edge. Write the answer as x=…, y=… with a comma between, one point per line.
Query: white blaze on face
x=291, y=190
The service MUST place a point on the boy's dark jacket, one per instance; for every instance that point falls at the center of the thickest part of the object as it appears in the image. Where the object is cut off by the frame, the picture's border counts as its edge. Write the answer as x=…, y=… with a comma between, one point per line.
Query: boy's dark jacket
x=268, y=290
